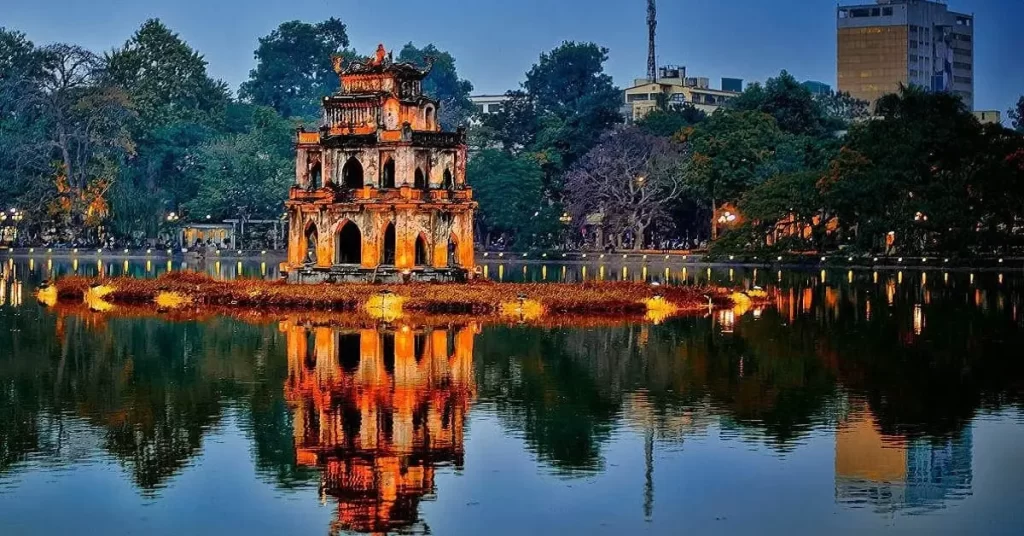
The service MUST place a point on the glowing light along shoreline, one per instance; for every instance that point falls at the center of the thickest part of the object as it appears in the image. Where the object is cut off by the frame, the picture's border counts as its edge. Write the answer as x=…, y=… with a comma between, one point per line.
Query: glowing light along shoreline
x=527, y=300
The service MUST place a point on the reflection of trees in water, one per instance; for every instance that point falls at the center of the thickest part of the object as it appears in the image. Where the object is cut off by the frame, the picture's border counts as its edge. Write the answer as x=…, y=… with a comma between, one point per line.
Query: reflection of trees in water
x=923, y=371
x=152, y=388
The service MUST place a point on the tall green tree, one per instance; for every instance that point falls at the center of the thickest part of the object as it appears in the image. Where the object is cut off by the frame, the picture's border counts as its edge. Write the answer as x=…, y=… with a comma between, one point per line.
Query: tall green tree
x=166, y=79
x=246, y=175
x=915, y=172
x=293, y=67
x=732, y=152
x=21, y=73
x=791, y=104
x=575, y=100
x=443, y=83
x=179, y=107
x=510, y=190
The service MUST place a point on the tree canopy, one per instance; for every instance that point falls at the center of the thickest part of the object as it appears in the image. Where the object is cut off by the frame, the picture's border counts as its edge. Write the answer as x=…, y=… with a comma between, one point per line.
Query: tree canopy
x=293, y=67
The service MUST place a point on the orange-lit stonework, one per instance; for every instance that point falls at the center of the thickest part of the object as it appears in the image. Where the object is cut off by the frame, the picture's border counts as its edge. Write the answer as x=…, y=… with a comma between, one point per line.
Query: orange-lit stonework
x=378, y=409
x=380, y=190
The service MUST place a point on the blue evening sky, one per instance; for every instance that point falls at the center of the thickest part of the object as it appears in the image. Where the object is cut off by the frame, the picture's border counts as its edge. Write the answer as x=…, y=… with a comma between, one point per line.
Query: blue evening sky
x=496, y=41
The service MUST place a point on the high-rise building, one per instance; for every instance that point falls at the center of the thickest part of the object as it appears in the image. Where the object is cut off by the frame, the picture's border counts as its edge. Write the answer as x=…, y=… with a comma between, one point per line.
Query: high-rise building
x=910, y=42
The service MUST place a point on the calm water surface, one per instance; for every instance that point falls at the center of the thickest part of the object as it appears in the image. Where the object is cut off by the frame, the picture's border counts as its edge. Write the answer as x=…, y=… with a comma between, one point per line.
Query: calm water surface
x=857, y=403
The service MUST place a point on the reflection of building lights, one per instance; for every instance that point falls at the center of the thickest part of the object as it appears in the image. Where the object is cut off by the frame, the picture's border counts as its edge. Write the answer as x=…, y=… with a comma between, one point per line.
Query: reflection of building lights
x=727, y=318
x=918, y=319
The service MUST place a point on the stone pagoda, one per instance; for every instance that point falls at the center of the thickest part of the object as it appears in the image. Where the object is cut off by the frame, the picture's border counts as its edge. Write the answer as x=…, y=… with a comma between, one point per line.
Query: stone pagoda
x=380, y=190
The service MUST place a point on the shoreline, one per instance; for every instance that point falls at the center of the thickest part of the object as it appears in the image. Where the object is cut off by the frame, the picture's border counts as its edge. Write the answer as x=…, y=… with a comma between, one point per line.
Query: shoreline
x=682, y=258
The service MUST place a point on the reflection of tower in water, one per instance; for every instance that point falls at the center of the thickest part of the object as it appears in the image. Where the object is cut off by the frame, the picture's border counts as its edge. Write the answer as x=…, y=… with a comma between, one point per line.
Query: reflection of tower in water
x=891, y=474
x=378, y=410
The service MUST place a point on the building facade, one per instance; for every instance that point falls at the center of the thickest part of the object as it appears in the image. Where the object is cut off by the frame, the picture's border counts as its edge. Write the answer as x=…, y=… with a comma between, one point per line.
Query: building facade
x=380, y=191
x=909, y=42
x=673, y=87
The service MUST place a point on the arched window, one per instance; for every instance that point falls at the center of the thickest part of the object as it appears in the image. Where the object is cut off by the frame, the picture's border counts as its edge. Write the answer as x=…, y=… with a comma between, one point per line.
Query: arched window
x=315, y=175
x=420, y=181
x=447, y=183
x=428, y=117
x=388, y=251
x=453, y=251
x=349, y=246
x=422, y=253
x=387, y=174
x=352, y=173
x=312, y=237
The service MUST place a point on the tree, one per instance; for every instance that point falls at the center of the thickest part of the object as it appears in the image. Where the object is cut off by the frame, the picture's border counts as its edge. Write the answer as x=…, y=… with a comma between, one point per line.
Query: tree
x=670, y=120
x=1017, y=115
x=293, y=67
x=841, y=109
x=631, y=178
x=21, y=72
x=74, y=137
x=509, y=189
x=443, y=83
x=574, y=99
x=246, y=175
x=731, y=153
x=915, y=173
x=514, y=126
x=787, y=203
x=165, y=78
x=179, y=107
x=792, y=105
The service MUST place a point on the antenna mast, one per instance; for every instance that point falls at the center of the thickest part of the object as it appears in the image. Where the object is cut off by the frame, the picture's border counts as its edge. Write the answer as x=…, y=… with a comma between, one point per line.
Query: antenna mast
x=652, y=26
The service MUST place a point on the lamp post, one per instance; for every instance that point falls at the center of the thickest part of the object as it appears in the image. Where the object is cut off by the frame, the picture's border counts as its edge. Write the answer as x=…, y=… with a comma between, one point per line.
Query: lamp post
x=172, y=222
x=565, y=219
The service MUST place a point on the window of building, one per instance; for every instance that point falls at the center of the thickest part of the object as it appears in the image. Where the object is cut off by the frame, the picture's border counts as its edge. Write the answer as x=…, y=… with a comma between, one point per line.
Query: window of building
x=860, y=13
x=887, y=11
x=962, y=66
x=963, y=37
x=636, y=97
x=875, y=12
x=962, y=79
x=913, y=44
x=843, y=13
x=480, y=109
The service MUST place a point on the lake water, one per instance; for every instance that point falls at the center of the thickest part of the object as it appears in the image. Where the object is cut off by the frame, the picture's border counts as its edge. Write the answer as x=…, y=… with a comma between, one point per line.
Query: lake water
x=859, y=402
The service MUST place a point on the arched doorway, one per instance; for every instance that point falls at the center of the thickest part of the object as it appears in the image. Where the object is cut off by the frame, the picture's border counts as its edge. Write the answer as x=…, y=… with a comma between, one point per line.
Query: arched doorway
x=388, y=251
x=311, y=237
x=420, y=182
x=349, y=246
x=448, y=183
x=387, y=174
x=352, y=173
x=422, y=253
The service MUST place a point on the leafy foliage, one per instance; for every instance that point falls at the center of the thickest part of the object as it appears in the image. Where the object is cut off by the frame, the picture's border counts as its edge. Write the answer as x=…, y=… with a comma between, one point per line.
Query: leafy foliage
x=509, y=189
x=293, y=67
x=244, y=175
